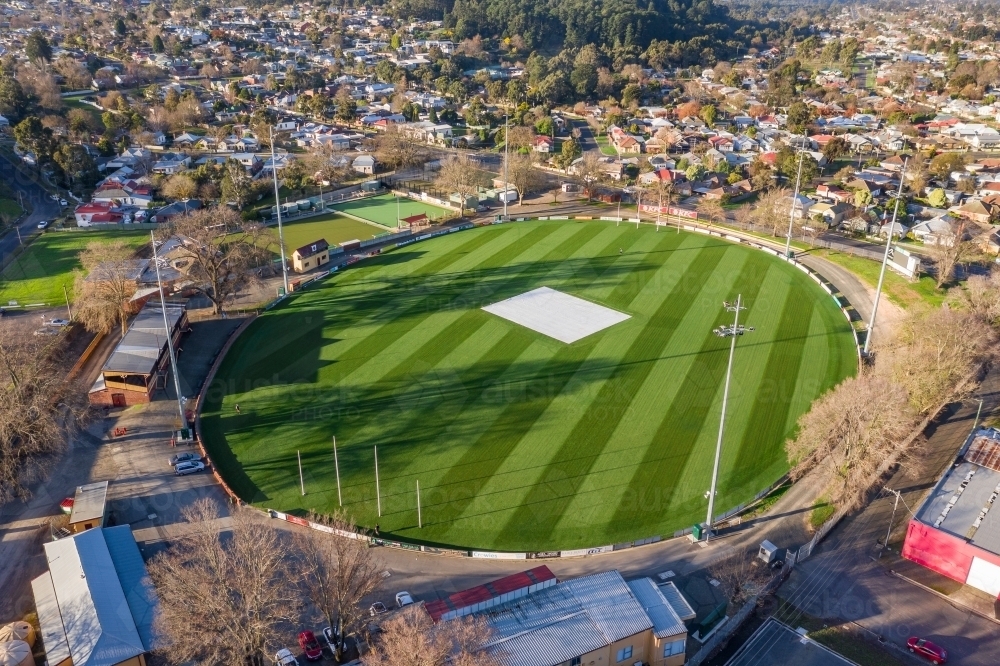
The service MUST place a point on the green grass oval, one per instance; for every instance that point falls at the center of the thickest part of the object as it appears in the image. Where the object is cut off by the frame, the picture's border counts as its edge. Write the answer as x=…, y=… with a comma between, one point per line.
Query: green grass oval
x=521, y=442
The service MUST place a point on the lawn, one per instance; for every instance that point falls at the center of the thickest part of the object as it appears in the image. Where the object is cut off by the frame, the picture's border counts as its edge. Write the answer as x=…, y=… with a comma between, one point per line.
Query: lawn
x=334, y=228
x=900, y=290
x=39, y=274
x=386, y=209
x=605, y=145
x=519, y=441
x=9, y=209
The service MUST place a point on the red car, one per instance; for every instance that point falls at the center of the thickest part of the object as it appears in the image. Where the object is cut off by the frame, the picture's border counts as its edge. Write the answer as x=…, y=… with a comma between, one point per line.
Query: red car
x=310, y=646
x=923, y=647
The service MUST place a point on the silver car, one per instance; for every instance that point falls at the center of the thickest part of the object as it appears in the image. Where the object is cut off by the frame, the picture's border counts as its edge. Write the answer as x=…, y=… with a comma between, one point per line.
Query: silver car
x=190, y=467
x=190, y=456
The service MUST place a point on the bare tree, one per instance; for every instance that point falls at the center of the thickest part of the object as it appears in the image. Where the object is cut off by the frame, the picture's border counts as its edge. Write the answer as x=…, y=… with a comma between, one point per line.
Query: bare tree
x=712, y=210
x=395, y=150
x=224, y=253
x=460, y=175
x=224, y=599
x=743, y=216
x=523, y=175
x=953, y=249
x=38, y=409
x=410, y=638
x=588, y=170
x=338, y=573
x=106, y=284
x=772, y=209
x=982, y=295
x=180, y=187
x=741, y=575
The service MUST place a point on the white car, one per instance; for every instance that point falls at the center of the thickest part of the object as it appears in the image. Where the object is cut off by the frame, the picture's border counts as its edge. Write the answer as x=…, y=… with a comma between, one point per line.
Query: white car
x=190, y=467
x=43, y=224
x=285, y=658
x=331, y=639
x=63, y=202
x=403, y=599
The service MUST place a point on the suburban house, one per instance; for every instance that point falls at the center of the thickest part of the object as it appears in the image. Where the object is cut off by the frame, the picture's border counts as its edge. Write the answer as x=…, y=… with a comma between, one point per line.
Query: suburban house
x=938, y=231
x=311, y=256
x=170, y=163
x=364, y=164
x=623, y=142
x=833, y=214
x=96, y=603
x=138, y=365
x=543, y=144
x=128, y=193
x=101, y=212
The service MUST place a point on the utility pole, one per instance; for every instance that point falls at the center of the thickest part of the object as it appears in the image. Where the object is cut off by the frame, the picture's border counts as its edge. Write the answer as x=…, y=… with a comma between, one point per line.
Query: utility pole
x=69, y=311
x=420, y=520
x=979, y=412
x=277, y=201
x=336, y=467
x=506, y=157
x=795, y=200
x=895, y=505
x=724, y=332
x=885, y=260
x=378, y=493
x=170, y=339
x=302, y=482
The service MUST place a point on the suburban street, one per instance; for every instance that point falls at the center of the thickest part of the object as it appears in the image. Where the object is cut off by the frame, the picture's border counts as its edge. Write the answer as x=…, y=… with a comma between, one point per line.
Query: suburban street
x=35, y=198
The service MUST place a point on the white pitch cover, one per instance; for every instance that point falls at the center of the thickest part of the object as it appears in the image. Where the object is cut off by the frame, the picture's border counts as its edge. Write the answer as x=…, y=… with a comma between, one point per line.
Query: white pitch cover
x=984, y=576
x=557, y=315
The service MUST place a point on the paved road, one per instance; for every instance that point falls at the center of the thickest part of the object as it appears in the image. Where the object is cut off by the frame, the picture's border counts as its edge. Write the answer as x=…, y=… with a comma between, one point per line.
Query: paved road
x=35, y=198
x=844, y=579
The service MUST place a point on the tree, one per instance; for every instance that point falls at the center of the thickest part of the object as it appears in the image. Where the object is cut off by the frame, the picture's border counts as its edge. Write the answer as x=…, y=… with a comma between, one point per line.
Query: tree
x=237, y=185
x=799, y=116
x=942, y=166
x=119, y=27
x=157, y=43
x=224, y=254
x=224, y=597
x=948, y=251
x=461, y=176
x=410, y=638
x=338, y=573
x=180, y=187
x=36, y=47
x=395, y=150
x=834, y=148
x=14, y=102
x=711, y=210
x=773, y=209
x=76, y=164
x=590, y=172
x=982, y=295
x=741, y=575
x=937, y=198
x=523, y=175
x=347, y=106
x=862, y=197
x=787, y=162
x=34, y=137
x=569, y=151
x=708, y=113
x=37, y=405
x=105, y=286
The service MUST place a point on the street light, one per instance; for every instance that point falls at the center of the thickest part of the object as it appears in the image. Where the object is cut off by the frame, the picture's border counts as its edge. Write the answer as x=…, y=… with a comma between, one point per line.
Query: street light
x=277, y=201
x=724, y=332
x=885, y=259
x=795, y=200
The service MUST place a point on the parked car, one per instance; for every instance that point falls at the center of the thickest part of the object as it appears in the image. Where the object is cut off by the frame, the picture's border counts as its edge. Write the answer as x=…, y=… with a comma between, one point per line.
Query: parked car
x=331, y=638
x=190, y=467
x=184, y=457
x=63, y=202
x=377, y=608
x=43, y=224
x=284, y=657
x=59, y=322
x=66, y=506
x=310, y=646
x=935, y=653
x=403, y=599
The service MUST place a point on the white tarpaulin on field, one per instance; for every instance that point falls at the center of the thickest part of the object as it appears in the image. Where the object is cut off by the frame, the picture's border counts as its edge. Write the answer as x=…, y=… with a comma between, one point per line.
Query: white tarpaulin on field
x=557, y=315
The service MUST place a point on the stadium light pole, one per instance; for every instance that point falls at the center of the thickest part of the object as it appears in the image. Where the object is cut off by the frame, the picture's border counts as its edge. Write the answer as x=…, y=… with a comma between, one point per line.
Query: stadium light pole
x=420, y=520
x=378, y=493
x=170, y=340
x=506, y=157
x=277, y=201
x=885, y=260
x=302, y=481
x=730, y=332
x=336, y=467
x=795, y=200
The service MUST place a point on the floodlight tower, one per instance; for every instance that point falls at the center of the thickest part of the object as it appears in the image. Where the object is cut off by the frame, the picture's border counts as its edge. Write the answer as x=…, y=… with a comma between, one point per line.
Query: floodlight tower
x=277, y=201
x=795, y=200
x=731, y=332
x=885, y=259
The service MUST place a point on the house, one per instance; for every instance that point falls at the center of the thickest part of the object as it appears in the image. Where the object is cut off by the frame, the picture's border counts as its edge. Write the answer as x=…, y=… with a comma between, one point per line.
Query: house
x=833, y=214
x=170, y=163
x=543, y=144
x=834, y=193
x=940, y=230
x=977, y=211
x=659, y=175
x=800, y=205
x=186, y=140
x=174, y=209
x=96, y=604
x=364, y=164
x=89, y=507
x=894, y=164
x=601, y=619
x=251, y=162
x=93, y=213
x=128, y=193
x=623, y=142
x=311, y=256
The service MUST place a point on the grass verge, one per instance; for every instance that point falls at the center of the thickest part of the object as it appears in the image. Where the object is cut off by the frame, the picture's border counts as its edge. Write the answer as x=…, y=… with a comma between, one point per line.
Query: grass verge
x=902, y=292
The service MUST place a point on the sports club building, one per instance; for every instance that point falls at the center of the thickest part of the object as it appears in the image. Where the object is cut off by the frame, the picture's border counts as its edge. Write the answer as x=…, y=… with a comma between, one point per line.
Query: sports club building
x=956, y=531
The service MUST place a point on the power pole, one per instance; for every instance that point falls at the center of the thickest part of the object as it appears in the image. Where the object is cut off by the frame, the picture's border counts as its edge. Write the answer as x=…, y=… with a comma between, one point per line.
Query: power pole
x=277, y=202
x=506, y=157
x=885, y=260
x=725, y=332
x=336, y=467
x=795, y=200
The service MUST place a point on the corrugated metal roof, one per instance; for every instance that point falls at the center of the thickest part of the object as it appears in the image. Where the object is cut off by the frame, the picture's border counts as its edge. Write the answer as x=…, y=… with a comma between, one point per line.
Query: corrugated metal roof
x=89, y=501
x=665, y=621
x=677, y=602
x=145, y=341
x=136, y=584
x=466, y=600
x=53, y=634
x=567, y=620
x=100, y=629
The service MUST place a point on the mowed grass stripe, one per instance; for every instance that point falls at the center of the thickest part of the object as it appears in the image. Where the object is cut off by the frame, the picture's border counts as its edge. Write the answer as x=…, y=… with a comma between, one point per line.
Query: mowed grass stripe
x=675, y=439
x=520, y=475
x=574, y=460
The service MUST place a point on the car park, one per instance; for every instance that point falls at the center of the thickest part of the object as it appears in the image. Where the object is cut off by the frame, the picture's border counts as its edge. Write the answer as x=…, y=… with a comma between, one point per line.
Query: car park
x=310, y=646
x=403, y=599
x=190, y=467
x=377, y=608
x=184, y=457
x=925, y=648
x=284, y=657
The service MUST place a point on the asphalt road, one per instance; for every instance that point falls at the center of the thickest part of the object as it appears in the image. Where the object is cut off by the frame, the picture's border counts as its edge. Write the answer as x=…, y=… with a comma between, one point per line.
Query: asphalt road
x=35, y=198
x=847, y=580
